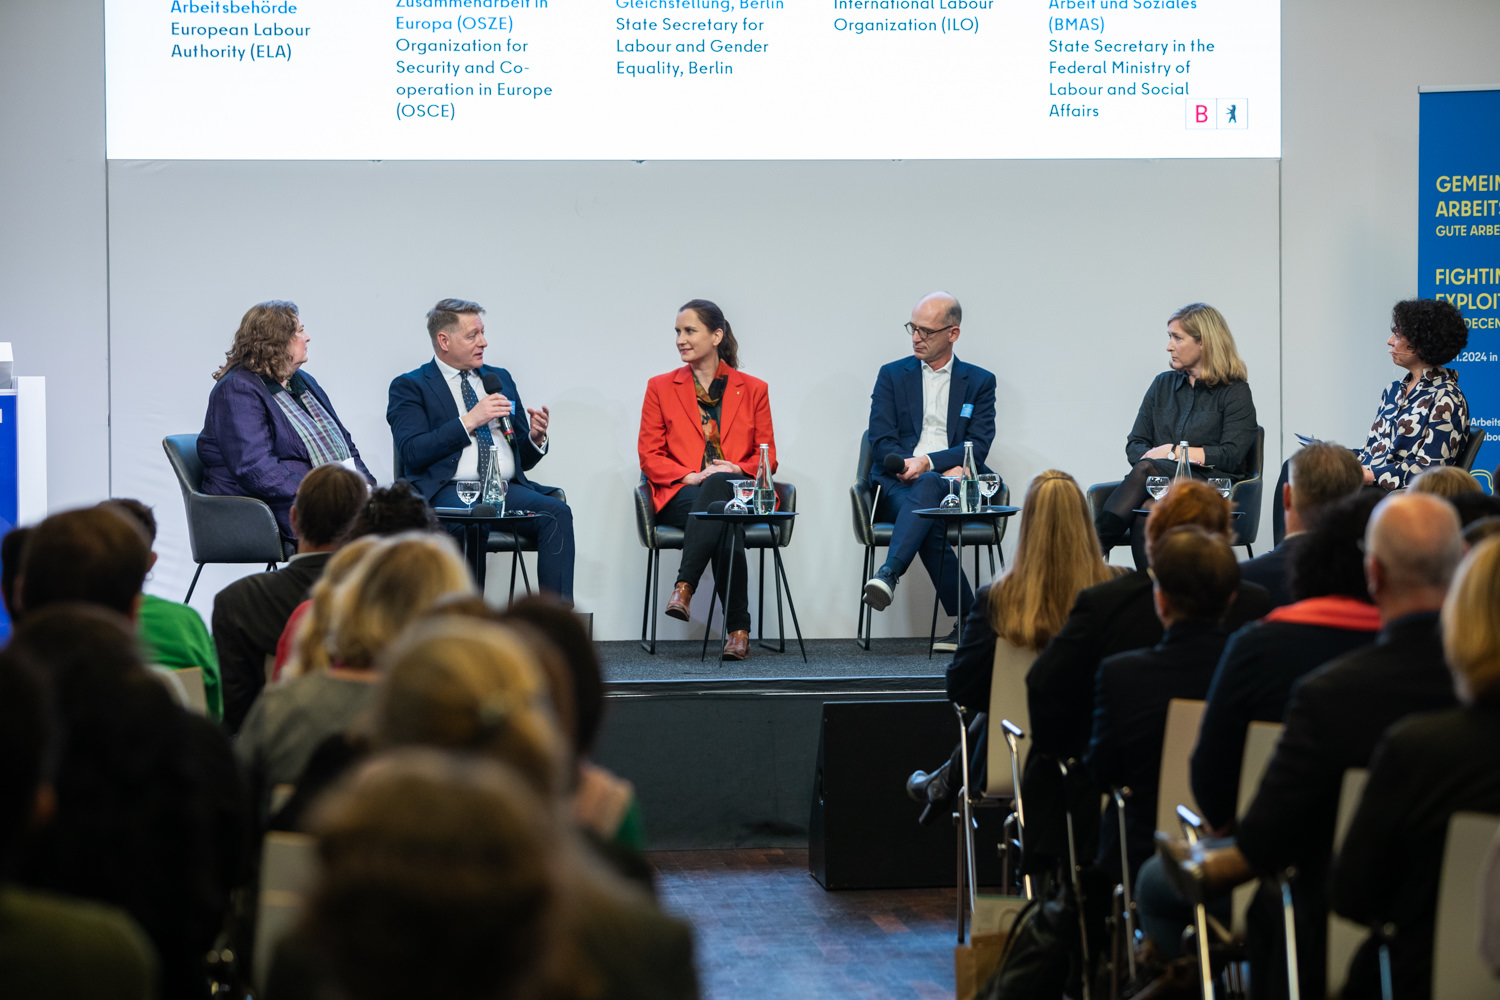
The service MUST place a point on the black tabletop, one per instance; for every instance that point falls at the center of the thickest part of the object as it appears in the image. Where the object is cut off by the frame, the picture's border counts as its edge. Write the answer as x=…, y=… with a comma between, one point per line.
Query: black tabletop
x=982, y=514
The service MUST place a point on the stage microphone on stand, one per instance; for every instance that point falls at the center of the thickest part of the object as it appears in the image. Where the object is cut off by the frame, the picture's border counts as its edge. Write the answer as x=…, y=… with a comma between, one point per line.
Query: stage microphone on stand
x=492, y=386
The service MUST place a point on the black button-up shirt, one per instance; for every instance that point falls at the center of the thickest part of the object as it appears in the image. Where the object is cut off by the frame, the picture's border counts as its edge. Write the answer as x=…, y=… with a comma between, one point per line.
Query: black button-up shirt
x=1220, y=419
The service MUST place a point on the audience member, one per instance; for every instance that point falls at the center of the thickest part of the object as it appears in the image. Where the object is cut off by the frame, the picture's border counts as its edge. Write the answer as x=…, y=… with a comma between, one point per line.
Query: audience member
x=1335, y=718
x=1427, y=768
x=51, y=945
x=1108, y=618
x=1472, y=507
x=10, y=567
x=250, y=613
x=1195, y=579
x=441, y=876
x=1318, y=474
x=391, y=586
x=1057, y=556
x=173, y=634
x=1332, y=615
x=1478, y=531
x=1446, y=481
x=149, y=803
x=303, y=646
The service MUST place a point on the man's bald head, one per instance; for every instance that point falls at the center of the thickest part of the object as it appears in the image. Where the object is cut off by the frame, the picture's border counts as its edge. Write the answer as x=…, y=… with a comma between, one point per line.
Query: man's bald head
x=1413, y=544
x=941, y=305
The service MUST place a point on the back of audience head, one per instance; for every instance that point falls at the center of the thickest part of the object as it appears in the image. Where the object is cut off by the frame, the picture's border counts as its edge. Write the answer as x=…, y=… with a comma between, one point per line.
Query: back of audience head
x=391, y=510
x=562, y=627
x=440, y=877
x=11, y=547
x=310, y=645
x=458, y=683
x=327, y=502
x=1195, y=574
x=389, y=588
x=1477, y=531
x=93, y=555
x=1412, y=546
x=1187, y=501
x=1473, y=507
x=1445, y=481
x=1327, y=561
x=1471, y=628
x=1320, y=474
x=25, y=739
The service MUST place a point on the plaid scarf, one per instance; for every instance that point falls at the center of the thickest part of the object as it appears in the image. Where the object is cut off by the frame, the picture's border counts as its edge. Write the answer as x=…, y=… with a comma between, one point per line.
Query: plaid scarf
x=709, y=407
x=313, y=424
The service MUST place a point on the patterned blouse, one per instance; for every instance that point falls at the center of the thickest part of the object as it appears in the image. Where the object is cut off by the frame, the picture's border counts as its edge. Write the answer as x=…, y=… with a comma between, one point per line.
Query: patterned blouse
x=1429, y=427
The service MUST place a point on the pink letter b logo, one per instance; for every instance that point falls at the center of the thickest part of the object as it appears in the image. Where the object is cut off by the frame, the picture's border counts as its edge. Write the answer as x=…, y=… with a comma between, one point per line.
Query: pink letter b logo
x=1200, y=113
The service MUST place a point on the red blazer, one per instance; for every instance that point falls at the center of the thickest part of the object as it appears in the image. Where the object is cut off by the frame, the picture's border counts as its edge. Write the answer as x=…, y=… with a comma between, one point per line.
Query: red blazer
x=672, y=440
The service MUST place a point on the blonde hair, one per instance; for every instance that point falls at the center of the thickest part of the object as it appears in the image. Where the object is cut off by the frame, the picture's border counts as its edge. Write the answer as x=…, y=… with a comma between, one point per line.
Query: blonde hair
x=310, y=644
x=464, y=684
x=391, y=587
x=1471, y=628
x=1445, y=481
x=1057, y=555
x=1221, y=361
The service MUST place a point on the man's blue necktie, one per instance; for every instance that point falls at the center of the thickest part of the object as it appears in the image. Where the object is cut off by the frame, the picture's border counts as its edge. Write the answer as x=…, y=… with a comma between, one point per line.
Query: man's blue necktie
x=482, y=433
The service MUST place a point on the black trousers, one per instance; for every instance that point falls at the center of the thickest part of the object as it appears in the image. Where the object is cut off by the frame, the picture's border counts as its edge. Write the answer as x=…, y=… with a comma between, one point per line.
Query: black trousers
x=705, y=541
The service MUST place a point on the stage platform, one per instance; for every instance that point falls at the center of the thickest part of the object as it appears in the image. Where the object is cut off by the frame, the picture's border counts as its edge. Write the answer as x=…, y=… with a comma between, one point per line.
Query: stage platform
x=724, y=756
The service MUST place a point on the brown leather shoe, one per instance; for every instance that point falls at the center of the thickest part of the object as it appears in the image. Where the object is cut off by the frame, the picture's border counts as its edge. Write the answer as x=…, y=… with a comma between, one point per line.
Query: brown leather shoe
x=679, y=606
x=737, y=646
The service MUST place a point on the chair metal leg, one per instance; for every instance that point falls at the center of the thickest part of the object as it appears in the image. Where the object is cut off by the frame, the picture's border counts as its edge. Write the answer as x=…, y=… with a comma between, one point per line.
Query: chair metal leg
x=648, y=604
x=781, y=585
x=189, y=596
x=515, y=556
x=965, y=817
x=1289, y=926
x=524, y=578
x=866, y=618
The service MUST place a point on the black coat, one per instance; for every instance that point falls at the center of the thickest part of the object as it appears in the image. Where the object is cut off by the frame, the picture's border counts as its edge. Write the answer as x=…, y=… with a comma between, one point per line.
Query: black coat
x=1427, y=768
x=249, y=617
x=1336, y=716
x=1130, y=718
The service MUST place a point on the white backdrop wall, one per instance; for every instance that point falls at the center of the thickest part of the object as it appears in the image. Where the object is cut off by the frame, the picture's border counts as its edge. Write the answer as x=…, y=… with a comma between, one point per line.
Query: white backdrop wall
x=1067, y=271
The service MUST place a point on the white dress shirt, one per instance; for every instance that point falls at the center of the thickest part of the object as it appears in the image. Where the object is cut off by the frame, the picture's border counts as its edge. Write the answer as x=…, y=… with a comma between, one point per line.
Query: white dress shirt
x=935, y=383
x=468, y=461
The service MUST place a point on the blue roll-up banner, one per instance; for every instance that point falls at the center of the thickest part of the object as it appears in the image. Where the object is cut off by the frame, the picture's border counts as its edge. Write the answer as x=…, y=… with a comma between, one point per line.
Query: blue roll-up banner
x=1458, y=249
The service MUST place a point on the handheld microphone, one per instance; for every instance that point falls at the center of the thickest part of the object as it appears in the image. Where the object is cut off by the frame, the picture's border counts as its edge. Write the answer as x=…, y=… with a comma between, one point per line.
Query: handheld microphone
x=894, y=464
x=491, y=386
x=717, y=507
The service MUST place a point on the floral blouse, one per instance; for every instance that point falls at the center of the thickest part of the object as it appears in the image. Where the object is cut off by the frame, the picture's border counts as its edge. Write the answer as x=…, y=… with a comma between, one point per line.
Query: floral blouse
x=1429, y=427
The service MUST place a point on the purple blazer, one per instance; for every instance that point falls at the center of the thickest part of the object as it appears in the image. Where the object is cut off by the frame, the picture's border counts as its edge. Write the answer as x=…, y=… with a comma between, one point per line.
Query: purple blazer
x=248, y=447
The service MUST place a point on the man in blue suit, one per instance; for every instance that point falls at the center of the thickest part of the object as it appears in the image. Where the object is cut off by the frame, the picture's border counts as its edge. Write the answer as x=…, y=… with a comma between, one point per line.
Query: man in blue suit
x=923, y=409
x=446, y=414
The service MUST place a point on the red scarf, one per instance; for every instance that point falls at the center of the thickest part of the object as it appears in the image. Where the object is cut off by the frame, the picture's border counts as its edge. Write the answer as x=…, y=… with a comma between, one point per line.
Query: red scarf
x=1333, y=611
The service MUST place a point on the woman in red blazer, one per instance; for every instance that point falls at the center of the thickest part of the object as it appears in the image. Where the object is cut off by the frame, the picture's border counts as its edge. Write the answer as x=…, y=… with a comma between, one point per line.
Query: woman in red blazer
x=702, y=425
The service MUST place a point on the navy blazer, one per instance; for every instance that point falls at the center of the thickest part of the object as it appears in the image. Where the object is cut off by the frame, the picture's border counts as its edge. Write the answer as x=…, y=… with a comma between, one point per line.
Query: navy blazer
x=896, y=415
x=429, y=436
x=249, y=448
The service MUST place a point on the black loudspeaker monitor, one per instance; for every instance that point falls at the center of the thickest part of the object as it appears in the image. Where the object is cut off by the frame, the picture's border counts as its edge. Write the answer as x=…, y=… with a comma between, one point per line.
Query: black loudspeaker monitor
x=863, y=833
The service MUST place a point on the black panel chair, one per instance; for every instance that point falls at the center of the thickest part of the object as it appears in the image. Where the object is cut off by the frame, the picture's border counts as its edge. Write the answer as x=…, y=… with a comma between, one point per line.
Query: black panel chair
x=1470, y=453
x=1245, y=496
x=220, y=529
x=658, y=537
x=504, y=541
x=873, y=534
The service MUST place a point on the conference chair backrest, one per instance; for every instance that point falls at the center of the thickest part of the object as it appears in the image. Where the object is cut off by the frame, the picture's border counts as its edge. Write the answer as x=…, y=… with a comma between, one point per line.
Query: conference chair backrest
x=182, y=453
x=866, y=459
x=1344, y=936
x=197, y=694
x=1458, y=972
x=1174, y=785
x=289, y=864
x=1260, y=744
x=1007, y=701
x=1470, y=454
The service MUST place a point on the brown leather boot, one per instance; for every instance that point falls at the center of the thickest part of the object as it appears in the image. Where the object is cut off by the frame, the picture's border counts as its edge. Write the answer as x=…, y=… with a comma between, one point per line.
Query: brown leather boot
x=737, y=646
x=679, y=606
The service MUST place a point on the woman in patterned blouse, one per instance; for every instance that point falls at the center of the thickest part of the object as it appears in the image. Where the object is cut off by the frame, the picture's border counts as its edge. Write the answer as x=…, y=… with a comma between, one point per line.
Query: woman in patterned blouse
x=1423, y=418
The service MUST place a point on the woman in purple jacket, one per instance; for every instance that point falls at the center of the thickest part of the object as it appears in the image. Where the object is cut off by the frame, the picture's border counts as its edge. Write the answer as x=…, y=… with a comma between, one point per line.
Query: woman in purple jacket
x=268, y=422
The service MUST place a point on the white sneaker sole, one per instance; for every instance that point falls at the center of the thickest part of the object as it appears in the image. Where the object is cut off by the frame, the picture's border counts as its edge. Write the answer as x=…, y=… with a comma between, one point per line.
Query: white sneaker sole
x=878, y=593
x=945, y=646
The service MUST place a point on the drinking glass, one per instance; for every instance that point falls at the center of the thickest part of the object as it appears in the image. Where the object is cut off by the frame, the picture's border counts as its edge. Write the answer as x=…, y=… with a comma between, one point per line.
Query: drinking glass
x=744, y=492
x=951, y=501
x=468, y=492
x=989, y=484
x=1222, y=484
x=1157, y=486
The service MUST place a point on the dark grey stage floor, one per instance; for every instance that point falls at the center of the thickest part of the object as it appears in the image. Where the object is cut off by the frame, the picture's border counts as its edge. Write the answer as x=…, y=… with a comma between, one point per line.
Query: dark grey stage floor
x=678, y=660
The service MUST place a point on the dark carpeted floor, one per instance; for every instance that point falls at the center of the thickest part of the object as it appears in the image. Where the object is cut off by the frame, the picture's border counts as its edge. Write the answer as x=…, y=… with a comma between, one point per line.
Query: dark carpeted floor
x=679, y=660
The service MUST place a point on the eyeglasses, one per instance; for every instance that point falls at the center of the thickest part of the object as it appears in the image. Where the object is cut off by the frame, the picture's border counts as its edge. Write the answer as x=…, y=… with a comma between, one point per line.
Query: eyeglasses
x=913, y=330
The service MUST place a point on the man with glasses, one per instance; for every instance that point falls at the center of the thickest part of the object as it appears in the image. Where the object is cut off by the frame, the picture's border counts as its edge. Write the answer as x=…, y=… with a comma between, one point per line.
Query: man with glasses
x=923, y=409
x=446, y=416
